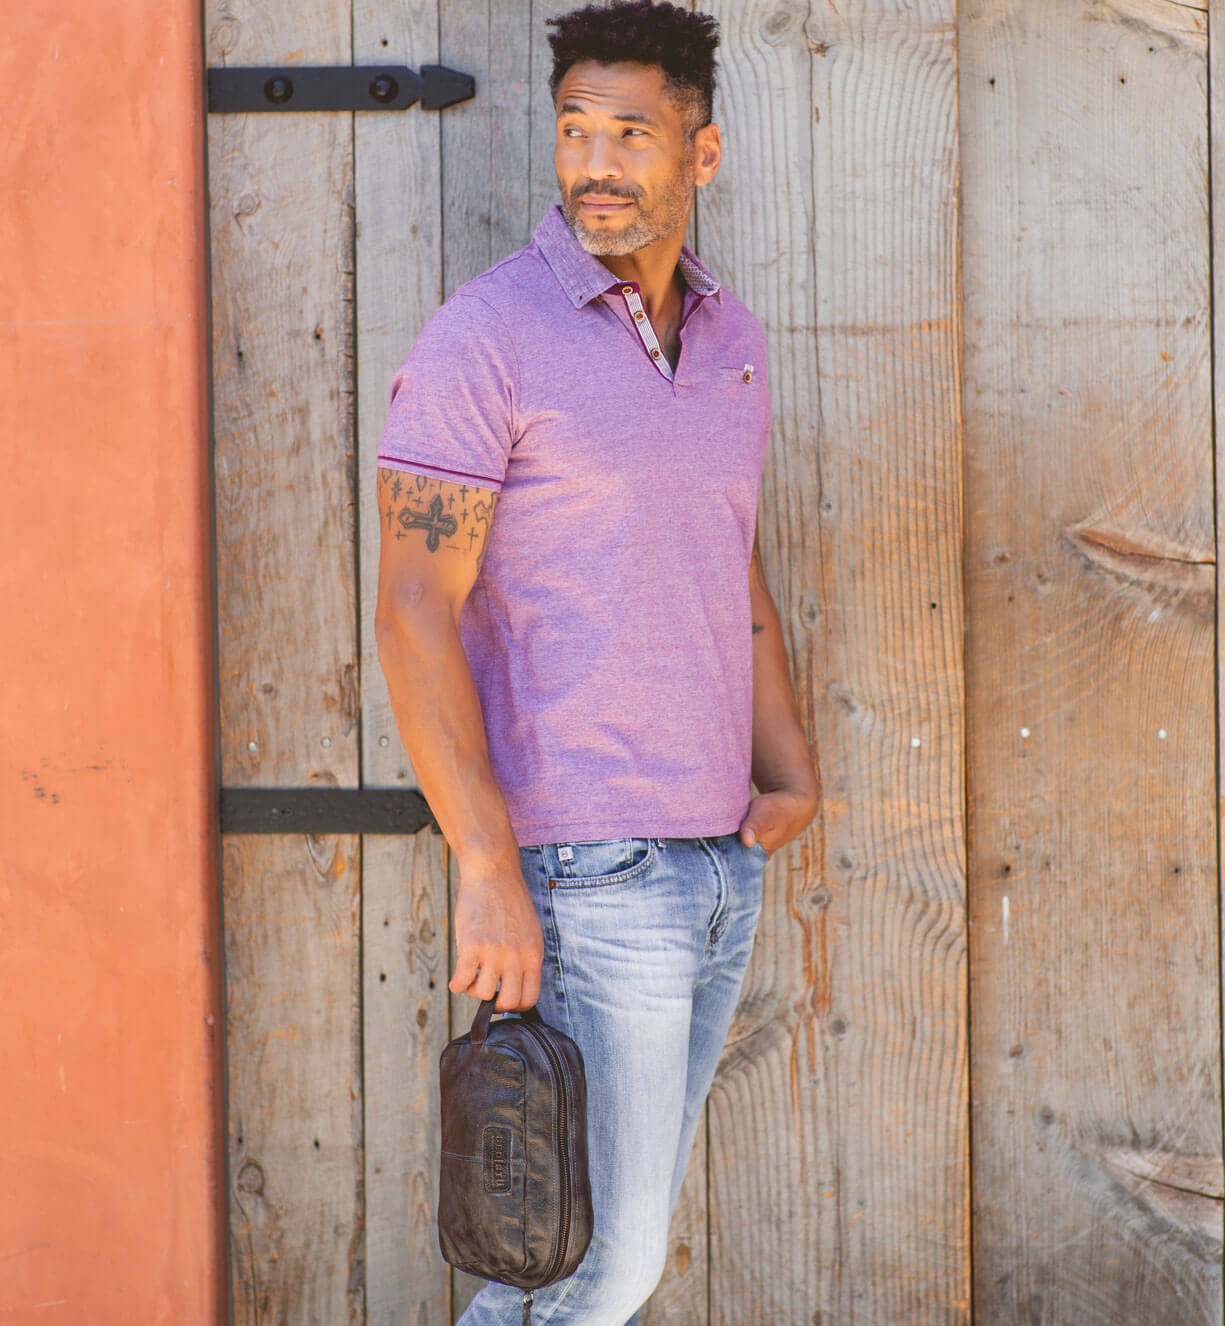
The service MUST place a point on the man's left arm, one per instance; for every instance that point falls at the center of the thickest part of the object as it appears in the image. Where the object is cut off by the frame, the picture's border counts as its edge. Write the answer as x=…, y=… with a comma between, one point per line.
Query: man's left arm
x=789, y=792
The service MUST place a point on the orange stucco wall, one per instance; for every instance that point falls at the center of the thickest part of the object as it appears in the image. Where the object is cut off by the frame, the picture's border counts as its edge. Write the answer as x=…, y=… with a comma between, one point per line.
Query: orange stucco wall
x=109, y=991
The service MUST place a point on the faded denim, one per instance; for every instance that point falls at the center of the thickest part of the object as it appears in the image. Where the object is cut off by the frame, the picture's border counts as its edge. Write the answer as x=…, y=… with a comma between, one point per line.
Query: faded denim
x=646, y=944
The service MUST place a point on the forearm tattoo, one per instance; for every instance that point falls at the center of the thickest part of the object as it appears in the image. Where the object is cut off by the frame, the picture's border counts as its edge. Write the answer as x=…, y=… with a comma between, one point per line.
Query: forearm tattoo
x=447, y=515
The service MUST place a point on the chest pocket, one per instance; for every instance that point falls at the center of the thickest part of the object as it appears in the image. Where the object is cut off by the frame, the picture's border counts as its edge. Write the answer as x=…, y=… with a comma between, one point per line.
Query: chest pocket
x=746, y=376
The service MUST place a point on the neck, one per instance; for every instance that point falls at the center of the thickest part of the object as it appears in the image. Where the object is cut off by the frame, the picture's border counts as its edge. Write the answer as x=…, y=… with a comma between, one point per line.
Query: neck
x=655, y=269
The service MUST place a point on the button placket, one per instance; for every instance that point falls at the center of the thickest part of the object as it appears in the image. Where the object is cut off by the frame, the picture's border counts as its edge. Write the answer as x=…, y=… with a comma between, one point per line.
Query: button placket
x=633, y=301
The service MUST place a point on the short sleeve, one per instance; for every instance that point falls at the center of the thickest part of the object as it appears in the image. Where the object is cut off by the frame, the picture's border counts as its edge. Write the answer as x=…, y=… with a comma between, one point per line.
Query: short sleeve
x=451, y=414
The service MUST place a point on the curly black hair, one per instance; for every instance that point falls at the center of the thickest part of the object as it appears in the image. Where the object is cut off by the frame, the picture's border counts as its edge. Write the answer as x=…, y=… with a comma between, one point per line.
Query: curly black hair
x=681, y=43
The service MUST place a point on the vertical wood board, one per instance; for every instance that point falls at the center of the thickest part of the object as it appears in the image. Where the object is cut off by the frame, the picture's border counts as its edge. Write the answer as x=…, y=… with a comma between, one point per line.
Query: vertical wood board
x=398, y=183
x=281, y=234
x=405, y=973
x=1090, y=659
x=281, y=237
x=293, y=1038
x=847, y=1198
x=398, y=191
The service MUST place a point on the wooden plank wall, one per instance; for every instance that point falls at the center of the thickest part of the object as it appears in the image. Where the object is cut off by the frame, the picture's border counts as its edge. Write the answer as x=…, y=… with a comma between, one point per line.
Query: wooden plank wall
x=976, y=1070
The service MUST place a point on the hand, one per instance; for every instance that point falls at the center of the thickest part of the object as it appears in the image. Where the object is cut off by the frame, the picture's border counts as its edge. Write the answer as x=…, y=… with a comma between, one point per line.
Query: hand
x=497, y=940
x=774, y=818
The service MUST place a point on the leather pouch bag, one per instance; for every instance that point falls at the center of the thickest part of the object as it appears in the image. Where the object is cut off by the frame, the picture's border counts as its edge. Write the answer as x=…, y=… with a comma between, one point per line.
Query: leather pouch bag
x=514, y=1197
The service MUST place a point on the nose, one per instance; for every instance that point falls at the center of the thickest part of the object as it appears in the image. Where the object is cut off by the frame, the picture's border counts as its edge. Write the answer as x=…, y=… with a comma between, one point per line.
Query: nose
x=602, y=162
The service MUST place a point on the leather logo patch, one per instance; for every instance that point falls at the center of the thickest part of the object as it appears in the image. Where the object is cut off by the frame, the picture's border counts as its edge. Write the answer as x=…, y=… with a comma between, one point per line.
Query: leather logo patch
x=497, y=1159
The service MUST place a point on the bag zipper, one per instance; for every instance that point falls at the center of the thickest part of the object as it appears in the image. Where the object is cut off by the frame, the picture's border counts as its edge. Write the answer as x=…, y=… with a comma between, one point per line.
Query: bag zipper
x=559, y=1128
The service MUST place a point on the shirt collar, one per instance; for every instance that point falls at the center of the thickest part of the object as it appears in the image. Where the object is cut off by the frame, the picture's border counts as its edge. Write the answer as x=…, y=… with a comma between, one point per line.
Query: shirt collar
x=583, y=276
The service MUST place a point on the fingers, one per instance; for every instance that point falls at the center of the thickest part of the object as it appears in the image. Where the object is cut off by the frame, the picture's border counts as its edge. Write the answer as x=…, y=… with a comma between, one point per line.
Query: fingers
x=499, y=946
x=466, y=965
x=752, y=831
x=516, y=984
x=486, y=984
x=531, y=987
x=508, y=995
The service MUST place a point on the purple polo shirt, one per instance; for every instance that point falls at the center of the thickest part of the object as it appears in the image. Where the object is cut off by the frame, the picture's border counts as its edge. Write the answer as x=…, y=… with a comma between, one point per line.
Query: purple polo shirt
x=609, y=631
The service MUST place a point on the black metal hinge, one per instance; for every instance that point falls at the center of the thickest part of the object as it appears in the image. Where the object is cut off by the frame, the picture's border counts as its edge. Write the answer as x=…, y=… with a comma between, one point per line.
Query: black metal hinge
x=323, y=810
x=338, y=88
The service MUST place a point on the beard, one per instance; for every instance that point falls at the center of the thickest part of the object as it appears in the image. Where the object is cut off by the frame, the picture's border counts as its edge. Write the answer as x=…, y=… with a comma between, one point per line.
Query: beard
x=671, y=209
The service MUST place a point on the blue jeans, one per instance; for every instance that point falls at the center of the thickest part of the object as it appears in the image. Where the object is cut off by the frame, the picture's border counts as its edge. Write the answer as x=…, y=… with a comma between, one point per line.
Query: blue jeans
x=646, y=941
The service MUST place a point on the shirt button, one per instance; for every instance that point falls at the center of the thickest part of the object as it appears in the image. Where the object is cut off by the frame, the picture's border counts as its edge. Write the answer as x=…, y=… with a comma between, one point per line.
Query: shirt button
x=639, y=315
x=748, y=377
x=654, y=354
x=627, y=289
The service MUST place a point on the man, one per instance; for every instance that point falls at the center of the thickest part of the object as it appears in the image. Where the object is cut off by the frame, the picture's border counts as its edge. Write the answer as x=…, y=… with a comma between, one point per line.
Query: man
x=584, y=660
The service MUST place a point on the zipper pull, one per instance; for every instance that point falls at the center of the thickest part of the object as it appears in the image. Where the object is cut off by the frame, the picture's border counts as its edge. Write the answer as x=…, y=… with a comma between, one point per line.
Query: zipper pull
x=527, y=1307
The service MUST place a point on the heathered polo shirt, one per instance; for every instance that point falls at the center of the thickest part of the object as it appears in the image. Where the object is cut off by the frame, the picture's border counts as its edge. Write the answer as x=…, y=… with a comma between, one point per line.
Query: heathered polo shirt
x=609, y=631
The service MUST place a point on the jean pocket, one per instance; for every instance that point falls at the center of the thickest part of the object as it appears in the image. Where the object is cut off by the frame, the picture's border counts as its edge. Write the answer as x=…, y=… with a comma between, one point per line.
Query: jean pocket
x=757, y=847
x=597, y=864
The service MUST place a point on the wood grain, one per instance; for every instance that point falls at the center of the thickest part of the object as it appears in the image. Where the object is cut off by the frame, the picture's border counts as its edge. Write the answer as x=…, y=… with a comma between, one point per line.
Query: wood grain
x=293, y=1040
x=398, y=189
x=838, y=1182
x=404, y=957
x=1090, y=663
x=281, y=215
x=398, y=177
x=281, y=211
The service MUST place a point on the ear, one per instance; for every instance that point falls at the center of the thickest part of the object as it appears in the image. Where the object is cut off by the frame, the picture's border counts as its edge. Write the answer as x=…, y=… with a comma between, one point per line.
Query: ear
x=707, y=153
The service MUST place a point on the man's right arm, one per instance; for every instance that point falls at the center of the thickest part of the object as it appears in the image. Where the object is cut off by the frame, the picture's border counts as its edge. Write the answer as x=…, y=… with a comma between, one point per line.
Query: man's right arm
x=432, y=544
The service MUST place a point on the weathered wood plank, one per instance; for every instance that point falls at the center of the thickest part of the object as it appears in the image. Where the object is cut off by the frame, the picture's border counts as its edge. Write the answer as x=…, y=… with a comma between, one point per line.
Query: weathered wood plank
x=846, y=1198
x=293, y=1038
x=398, y=164
x=281, y=235
x=487, y=142
x=404, y=955
x=404, y=909
x=1090, y=588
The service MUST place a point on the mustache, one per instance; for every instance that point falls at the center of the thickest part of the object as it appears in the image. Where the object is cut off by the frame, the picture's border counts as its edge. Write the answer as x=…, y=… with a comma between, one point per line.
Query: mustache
x=585, y=189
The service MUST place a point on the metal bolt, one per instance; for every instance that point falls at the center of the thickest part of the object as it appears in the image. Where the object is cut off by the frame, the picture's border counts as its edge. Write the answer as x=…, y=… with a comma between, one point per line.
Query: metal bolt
x=253, y=746
x=384, y=741
x=326, y=742
x=1162, y=734
x=1025, y=734
x=384, y=88
x=278, y=90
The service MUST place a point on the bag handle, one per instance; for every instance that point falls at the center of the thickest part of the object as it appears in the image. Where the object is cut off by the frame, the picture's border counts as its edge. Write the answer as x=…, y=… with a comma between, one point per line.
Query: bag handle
x=480, y=1023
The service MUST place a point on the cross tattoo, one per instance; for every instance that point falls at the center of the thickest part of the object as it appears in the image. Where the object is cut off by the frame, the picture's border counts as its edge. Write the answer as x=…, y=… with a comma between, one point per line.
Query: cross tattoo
x=434, y=522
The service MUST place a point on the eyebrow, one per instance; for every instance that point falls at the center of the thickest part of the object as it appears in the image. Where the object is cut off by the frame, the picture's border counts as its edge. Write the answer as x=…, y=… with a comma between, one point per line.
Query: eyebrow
x=626, y=117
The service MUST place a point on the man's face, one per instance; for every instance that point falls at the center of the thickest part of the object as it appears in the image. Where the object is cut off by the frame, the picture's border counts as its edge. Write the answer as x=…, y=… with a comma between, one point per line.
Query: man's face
x=624, y=164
